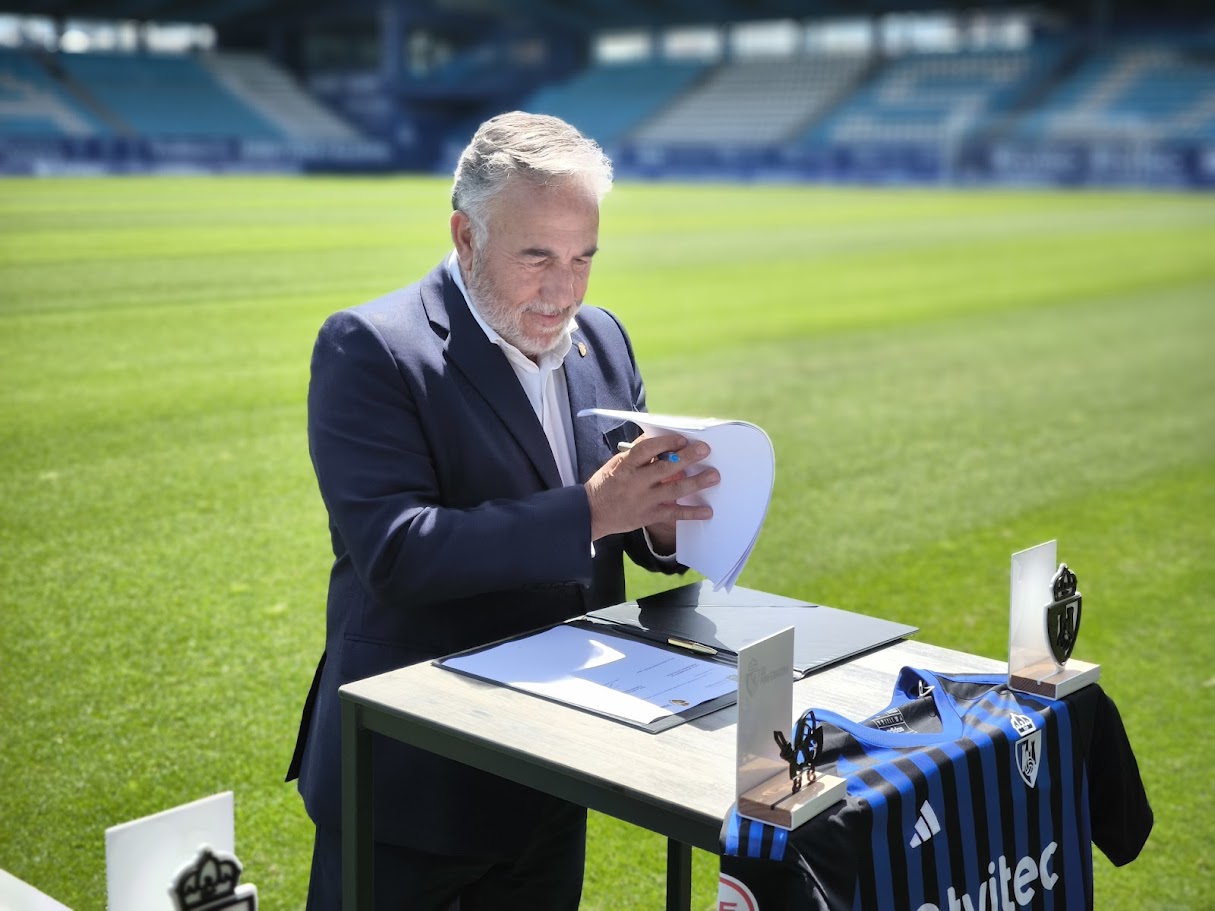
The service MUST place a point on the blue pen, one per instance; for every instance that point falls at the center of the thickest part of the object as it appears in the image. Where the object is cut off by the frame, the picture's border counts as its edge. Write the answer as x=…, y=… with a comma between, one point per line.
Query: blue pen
x=665, y=456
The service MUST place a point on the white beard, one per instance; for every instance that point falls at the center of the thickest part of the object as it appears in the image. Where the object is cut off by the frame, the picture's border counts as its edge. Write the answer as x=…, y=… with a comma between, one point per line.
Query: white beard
x=506, y=319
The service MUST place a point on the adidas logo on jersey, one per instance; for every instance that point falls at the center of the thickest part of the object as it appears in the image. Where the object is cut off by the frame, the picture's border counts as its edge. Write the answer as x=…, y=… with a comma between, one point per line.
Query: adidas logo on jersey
x=926, y=825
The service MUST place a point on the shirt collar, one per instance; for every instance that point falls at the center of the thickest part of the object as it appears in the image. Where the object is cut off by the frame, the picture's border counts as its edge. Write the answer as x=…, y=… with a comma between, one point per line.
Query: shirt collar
x=550, y=361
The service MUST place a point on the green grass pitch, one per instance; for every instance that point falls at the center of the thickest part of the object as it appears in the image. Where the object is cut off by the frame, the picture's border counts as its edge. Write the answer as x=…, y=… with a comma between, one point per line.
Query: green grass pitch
x=947, y=377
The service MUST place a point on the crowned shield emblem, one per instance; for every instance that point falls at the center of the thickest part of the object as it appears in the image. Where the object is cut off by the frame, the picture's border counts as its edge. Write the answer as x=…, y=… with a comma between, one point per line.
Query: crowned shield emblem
x=1063, y=614
x=1029, y=757
x=211, y=882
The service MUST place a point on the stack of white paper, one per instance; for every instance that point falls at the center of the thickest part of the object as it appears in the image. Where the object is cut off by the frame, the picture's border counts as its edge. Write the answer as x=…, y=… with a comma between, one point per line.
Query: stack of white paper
x=612, y=675
x=742, y=453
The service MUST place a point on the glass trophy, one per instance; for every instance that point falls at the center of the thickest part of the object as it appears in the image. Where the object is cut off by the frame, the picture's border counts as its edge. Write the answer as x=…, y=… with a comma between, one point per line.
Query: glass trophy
x=776, y=781
x=1044, y=622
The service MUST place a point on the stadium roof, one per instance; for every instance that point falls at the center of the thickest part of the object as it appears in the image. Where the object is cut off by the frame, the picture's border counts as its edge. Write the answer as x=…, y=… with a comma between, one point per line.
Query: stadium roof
x=582, y=15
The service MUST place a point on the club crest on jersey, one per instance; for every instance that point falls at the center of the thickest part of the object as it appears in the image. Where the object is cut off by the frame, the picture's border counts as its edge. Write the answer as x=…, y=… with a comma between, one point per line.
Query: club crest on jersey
x=1028, y=750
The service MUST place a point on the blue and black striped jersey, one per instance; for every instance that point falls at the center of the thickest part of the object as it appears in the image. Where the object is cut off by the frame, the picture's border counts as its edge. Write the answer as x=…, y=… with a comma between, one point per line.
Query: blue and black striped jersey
x=962, y=795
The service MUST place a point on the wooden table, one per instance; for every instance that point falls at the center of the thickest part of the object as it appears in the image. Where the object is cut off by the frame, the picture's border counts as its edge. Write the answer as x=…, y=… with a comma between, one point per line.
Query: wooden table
x=679, y=783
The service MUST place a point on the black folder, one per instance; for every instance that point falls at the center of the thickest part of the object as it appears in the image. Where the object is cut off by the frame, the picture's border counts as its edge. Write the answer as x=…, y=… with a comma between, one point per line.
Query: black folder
x=726, y=621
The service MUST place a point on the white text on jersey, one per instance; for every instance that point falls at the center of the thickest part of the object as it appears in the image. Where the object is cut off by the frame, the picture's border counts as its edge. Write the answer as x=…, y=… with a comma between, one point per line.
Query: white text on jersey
x=996, y=895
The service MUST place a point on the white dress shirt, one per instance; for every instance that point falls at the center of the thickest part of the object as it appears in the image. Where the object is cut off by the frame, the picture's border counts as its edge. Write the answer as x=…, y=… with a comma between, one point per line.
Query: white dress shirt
x=544, y=383
x=545, y=386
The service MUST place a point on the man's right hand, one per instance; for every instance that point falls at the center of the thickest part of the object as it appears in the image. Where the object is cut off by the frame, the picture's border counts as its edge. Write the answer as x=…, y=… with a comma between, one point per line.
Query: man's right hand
x=636, y=489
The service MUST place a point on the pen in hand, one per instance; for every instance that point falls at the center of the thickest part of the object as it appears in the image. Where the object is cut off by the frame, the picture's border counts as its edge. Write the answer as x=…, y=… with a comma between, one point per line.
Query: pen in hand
x=664, y=456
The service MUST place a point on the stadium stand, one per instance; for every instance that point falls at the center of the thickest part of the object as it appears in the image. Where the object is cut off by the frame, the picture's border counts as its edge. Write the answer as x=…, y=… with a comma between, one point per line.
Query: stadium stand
x=924, y=99
x=608, y=100
x=1141, y=91
x=272, y=93
x=753, y=102
x=137, y=112
x=1056, y=100
x=32, y=103
x=166, y=96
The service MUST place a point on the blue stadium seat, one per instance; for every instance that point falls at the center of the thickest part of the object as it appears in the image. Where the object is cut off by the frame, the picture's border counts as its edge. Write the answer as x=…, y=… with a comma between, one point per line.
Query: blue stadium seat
x=32, y=103
x=924, y=99
x=607, y=101
x=164, y=96
x=1135, y=90
x=754, y=102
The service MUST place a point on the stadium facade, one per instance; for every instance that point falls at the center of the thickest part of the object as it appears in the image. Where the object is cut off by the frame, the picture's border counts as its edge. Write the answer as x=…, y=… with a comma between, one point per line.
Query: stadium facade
x=1058, y=94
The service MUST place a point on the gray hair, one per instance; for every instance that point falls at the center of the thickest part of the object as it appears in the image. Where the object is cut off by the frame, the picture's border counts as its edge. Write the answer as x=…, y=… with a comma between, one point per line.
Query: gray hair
x=537, y=147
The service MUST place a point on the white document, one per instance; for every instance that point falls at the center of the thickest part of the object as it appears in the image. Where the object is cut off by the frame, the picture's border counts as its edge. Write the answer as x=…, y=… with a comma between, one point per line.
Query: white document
x=742, y=453
x=16, y=895
x=618, y=676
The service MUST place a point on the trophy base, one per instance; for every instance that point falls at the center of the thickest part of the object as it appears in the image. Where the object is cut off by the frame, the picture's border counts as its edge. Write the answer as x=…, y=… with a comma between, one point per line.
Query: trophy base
x=775, y=803
x=1052, y=681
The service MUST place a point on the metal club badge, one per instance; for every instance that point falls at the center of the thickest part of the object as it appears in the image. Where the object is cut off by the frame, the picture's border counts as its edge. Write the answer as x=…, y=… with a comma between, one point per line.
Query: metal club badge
x=1063, y=614
x=801, y=752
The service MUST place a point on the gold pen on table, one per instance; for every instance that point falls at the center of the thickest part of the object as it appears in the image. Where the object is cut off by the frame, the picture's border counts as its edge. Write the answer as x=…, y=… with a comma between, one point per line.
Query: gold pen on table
x=665, y=456
x=692, y=646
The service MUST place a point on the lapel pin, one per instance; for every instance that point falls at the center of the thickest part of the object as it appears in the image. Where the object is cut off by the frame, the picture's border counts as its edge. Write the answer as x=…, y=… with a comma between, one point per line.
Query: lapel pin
x=582, y=348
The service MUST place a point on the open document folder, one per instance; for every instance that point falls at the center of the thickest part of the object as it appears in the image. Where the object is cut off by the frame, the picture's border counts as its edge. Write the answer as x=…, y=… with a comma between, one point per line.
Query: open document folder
x=742, y=453
x=600, y=670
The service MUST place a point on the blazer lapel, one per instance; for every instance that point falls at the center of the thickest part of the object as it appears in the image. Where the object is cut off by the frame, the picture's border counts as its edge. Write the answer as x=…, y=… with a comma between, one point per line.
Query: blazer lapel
x=487, y=368
x=582, y=382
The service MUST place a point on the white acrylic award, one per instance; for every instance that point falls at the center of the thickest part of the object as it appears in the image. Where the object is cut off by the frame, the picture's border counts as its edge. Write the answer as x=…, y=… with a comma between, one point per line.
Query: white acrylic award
x=784, y=791
x=1043, y=621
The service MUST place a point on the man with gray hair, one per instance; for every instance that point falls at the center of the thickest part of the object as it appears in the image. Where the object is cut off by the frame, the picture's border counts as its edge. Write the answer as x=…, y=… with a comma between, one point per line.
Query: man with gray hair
x=466, y=504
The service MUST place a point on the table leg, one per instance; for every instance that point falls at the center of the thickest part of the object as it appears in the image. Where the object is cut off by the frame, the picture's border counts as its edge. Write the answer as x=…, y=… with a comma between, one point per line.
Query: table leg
x=358, y=852
x=679, y=876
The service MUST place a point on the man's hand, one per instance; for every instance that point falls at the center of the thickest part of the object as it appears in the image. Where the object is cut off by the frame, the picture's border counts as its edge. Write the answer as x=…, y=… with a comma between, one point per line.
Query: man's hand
x=639, y=489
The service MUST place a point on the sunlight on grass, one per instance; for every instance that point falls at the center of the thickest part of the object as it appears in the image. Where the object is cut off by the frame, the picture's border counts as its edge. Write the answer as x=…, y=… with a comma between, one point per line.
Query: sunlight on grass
x=947, y=377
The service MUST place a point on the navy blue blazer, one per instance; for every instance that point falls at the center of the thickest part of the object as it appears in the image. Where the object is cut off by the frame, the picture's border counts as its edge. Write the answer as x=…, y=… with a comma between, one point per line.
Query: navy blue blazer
x=450, y=528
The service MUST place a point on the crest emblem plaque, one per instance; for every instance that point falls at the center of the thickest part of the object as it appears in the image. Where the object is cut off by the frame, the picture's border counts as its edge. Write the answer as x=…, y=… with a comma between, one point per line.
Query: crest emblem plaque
x=1063, y=615
x=1043, y=623
x=211, y=882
